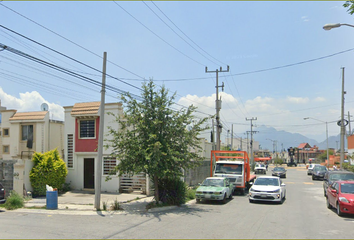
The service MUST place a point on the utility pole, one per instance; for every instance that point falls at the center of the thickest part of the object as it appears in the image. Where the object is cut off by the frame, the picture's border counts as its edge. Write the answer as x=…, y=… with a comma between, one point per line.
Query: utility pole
x=218, y=104
x=212, y=135
x=98, y=165
x=251, y=119
x=241, y=143
x=232, y=136
x=342, y=127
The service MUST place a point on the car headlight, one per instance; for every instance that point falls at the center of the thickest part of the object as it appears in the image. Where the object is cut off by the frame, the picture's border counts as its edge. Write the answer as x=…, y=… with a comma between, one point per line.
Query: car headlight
x=217, y=193
x=343, y=199
x=199, y=192
x=251, y=189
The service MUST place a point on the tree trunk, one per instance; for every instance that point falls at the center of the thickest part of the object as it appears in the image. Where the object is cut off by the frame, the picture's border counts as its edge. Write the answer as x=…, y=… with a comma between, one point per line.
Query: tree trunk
x=156, y=183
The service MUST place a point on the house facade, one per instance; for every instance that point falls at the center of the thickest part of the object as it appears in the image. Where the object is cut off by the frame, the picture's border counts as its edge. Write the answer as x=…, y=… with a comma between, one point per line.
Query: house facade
x=22, y=134
x=81, y=138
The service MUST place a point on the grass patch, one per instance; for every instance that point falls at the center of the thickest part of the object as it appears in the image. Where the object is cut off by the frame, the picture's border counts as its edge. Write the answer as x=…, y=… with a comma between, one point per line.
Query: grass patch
x=14, y=201
x=115, y=205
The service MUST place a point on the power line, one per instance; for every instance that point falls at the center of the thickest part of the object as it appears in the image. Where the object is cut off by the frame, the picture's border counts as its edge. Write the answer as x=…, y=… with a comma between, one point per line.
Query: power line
x=186, y=34
x=70, y=40
x=176, y=32
x=158, y=35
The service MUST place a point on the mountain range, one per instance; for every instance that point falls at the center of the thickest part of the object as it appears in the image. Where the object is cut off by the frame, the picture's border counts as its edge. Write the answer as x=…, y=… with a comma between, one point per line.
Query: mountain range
x=267, y=135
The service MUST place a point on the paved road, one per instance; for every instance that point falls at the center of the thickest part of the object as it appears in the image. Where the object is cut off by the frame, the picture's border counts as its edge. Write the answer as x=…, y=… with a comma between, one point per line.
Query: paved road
x=302, y=215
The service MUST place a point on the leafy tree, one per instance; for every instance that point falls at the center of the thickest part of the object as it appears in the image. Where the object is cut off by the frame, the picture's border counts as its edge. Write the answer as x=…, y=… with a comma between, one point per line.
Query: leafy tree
x=49, y=169
x=350, y=6
x=323, y=156
x=154, y=139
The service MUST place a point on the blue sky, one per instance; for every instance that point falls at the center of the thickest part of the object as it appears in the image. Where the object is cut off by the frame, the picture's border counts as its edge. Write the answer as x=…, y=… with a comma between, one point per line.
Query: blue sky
x=247, y=36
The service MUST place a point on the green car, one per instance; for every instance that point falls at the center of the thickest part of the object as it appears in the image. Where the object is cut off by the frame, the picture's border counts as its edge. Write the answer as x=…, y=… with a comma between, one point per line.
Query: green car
x=215, y=188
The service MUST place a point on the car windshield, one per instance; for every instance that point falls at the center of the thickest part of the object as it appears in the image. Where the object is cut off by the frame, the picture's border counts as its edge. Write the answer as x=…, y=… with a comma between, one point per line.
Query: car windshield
x=320, y=168
x=279, y=169
x=343, y=176
x=347, y=187
x=229, y=168
x=213, y=182
x=267, y=182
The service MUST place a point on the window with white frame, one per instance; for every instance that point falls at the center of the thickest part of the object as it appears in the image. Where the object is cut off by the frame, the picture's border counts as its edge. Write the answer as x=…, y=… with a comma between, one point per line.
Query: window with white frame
x=87, y=128
x=27, y=132
x=109, y=164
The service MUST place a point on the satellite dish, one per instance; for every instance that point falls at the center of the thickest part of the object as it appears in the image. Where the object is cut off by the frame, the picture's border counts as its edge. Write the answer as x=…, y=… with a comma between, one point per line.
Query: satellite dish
x=44, y=107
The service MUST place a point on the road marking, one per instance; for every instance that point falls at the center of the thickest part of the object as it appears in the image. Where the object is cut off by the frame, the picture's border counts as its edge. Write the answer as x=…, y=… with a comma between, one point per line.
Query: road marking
x=289, y=182
x=308, y=183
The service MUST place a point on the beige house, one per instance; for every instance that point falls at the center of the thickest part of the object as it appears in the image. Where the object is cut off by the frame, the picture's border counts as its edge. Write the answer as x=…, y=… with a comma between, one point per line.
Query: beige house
x=22, y=134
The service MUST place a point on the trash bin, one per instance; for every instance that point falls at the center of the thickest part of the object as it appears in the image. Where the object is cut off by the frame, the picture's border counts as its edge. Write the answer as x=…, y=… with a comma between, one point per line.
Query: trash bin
x=52, y=199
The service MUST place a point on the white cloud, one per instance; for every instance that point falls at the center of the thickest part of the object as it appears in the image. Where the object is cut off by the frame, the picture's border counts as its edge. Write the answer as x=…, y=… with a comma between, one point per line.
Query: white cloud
x=320, y=99
x=305, y=18
x=297, y=100
x=30, y=101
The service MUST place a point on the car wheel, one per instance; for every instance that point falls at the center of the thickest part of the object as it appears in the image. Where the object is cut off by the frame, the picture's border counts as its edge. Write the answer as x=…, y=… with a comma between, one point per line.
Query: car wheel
x=198, y=200
x=251, y=201
x=224, y=199
x=285, y=176
x=324, y=193
x=230, y=197
x=313, y=177
x=329, y=206
x=339, y=212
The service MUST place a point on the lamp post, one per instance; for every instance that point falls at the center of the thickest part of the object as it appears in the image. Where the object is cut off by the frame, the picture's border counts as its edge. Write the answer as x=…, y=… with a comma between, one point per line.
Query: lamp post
x=329, y=26
x=342, y=126
x=326, y=135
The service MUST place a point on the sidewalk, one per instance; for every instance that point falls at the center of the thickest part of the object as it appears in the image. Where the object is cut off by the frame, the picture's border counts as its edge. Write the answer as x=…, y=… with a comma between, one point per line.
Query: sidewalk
x=79, y=202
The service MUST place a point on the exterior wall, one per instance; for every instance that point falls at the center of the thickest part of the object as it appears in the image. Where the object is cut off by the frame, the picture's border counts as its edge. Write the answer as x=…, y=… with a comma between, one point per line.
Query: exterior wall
x=194, y=176
x=12, y=139
x=56, y=136
x=76, y=174
x=350, y=140
x=6, y=174
x=86, y=145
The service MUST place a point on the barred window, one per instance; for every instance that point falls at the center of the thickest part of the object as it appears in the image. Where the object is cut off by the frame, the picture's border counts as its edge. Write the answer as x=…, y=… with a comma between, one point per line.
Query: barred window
x=70, y=157
x=87, y=128
x=109, y=163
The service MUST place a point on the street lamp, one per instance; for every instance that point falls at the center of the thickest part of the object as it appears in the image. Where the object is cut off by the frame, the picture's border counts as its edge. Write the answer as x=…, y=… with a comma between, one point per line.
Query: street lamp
x=326, y=135
x=329, y=26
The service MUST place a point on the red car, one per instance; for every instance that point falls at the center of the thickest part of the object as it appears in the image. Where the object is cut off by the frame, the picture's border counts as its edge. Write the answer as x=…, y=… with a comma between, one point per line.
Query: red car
x=340, y=195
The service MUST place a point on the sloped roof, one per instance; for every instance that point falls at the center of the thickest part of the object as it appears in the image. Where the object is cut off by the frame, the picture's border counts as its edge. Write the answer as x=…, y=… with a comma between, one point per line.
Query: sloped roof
x=304, y=145
x=28, y=116
x=89, y=108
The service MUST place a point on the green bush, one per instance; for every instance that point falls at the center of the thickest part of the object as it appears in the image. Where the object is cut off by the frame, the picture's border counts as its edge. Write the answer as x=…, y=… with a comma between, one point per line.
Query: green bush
x=49, y=169
x=190, y=194
x=348, y=167
x=278, y=161
x=14, y=201
x=172, y=191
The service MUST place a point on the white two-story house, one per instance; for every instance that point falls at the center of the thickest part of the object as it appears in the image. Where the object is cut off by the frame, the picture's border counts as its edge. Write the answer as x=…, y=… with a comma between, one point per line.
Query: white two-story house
x=81, y=139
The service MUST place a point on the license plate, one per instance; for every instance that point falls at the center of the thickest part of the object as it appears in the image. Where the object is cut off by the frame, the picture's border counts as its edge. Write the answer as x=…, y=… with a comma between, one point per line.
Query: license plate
x=263, y=195
x=207, y=196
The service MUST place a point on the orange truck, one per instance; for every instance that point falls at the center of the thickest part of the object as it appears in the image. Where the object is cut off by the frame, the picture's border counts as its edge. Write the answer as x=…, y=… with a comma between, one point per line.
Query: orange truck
x=233, y=165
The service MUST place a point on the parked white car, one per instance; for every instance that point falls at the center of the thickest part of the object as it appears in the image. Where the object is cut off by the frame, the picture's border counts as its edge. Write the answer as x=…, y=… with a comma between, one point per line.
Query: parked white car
x=310, y=168
x=267, y=188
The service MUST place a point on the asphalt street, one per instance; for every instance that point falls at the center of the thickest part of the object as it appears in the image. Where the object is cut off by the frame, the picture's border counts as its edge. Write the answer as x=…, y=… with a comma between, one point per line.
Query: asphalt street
x=303, y=215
